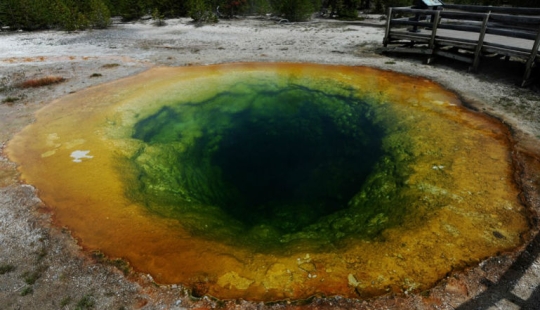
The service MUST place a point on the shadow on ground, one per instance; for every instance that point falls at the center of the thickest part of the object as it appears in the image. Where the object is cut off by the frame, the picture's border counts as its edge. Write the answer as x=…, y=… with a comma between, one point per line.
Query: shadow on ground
x=503, y=291
x=507, y=71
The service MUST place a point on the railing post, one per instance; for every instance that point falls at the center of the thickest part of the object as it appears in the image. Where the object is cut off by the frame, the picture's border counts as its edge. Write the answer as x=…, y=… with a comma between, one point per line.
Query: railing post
x=435, y=25
x=387, y=32
x=530, y=61
x=436, y=19
x=481, y=37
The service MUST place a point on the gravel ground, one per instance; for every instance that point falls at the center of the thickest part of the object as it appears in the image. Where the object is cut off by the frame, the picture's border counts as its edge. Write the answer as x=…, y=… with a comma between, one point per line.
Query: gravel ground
x=42, y=267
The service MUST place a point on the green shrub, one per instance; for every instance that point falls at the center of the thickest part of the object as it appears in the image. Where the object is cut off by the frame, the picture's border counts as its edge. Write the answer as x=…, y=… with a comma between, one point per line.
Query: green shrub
x=201, y=11
x=128, y=9
x=65, y=301
x=171, y=8
x=25, y=14
x=259, y=7
x=86, y=302
x=230, y=8
x=348, y=8
x=99, y=15
x=31, y=277
x=294, y=10
x=64, y=14
x=7, y=268
x=381, y=6
x=159, y=19
x=27, y=290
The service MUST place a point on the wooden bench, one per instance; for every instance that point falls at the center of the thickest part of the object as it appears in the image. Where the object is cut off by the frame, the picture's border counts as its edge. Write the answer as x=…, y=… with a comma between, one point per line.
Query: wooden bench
x=466, y=33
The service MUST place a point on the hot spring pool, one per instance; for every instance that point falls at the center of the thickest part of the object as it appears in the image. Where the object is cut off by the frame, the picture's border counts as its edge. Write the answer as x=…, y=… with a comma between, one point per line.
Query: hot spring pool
x=277, y=181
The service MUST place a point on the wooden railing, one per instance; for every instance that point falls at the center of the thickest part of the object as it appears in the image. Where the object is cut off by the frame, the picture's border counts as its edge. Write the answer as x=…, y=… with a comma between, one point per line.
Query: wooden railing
x=466, y=33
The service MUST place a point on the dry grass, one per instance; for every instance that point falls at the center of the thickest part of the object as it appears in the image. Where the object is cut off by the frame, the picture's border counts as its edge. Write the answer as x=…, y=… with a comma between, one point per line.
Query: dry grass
x=10, y=99
x=109, y=66
x=44, y=81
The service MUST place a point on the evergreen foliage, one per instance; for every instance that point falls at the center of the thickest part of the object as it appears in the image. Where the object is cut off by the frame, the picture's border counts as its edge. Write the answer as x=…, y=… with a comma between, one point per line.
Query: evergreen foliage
x=83, y=14
x=230, y=8
x=45, y=14
x=201, y=11
x=295, y=10
x=343, y=8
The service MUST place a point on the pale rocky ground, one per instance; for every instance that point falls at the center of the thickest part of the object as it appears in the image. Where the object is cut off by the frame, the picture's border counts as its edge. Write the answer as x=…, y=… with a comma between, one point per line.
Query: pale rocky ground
x=60, y=275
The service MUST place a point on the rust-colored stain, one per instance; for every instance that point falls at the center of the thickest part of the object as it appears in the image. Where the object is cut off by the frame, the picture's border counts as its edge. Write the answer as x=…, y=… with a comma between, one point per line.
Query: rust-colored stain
x=456, y=185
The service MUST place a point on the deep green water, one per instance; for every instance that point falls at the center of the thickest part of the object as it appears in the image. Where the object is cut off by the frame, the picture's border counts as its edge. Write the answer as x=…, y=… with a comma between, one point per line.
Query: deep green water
x=268, y=166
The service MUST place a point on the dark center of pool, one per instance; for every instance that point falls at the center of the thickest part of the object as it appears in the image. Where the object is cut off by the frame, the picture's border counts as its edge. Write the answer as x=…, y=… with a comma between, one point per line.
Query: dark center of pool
x=282, y=159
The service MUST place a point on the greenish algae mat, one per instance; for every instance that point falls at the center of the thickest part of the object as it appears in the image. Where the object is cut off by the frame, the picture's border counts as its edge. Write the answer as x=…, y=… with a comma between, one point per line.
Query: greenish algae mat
x=277, y=181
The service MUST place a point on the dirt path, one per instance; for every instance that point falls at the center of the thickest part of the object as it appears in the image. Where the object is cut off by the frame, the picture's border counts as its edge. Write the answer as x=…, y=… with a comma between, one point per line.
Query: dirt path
x=42, y=267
